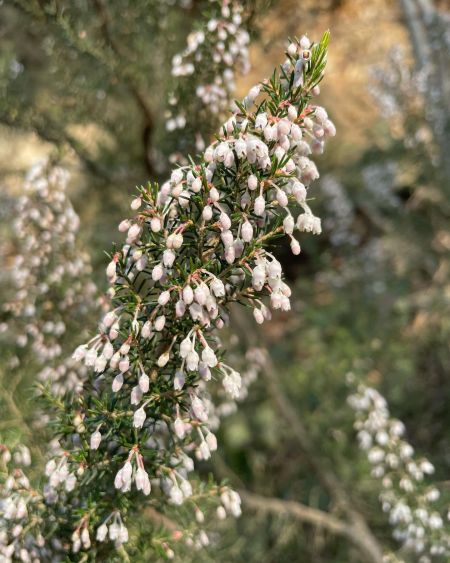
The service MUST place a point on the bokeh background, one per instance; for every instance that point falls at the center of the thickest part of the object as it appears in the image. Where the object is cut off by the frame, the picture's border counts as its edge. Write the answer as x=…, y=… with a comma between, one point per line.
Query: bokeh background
x=371, y=295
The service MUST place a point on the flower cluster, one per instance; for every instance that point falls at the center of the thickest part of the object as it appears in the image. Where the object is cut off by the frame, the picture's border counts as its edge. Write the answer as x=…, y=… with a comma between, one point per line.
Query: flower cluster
x=19, y=509
x=54, y=293
x=404, y=496
x=196, y=245
x=204, y=74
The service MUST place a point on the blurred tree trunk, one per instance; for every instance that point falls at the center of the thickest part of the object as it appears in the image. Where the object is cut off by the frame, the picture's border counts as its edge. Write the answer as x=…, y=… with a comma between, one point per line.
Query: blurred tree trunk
x=429, y=29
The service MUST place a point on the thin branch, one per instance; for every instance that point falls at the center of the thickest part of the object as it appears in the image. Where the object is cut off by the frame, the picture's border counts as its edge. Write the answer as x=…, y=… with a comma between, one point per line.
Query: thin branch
x=303, y=512
x=311, y=516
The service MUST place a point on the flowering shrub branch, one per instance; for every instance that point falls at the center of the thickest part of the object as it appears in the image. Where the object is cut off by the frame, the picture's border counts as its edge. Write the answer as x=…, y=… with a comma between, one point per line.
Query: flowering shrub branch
x=405, y=496
x=204, y=76
x=196, y=245
x=54, y=294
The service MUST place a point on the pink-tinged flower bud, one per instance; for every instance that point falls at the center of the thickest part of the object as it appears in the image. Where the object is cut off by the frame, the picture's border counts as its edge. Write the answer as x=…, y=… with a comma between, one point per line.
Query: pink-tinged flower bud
x=259, y=317
x=155, y=224
x=192, y=360
x=114, y=362
x=124, y=364
x=292, y=113
x=295, y=247
x=258, y=278
x=164, y=298
x=159, y=323
x=211, y=440
x=308, y=123
x=209, y=154
x=146, y=330
x=299, y=192
x=179, y=380
x=260, y=205
x=282, y=198
x=102, y=532
x=136, y=395
x=288, y=224
x=227, y=238
x=209, y=357
x=168, y=258
x=199, y=516
x=201, y=293
x=283, y=127
x=175, y=241
x=240, y=146
x=329, y=128
x=289, y=166
x=180, y=308
x=185, y=347
x=124, y=225
x=144, y=382
x=100, y=364
x=296, y=132
x=204, y=371
x=217, y=287
x=139, y=418
x=229, y=159
x=184, y=199
x=261, y=121
x=305, y=43
x=221, y=513
x=188, y=294
x=252, y=182
x=176, y=176
x=196, y=185
x=108, y=350
x=157, y=272
x=90, y=357
x=225, y=221
x=133, y=233
x=254, y=92
x=179, y=428
x=136, y=203
x=111, y=269
x=117, y=383
x=214, y=194
x=247, y=231
x=142, y=481
x=274, y=269
x=96, y=438
x=230, y=254
x=207, y=213
x=270, y=133
x=204, y=451
x=109, y=319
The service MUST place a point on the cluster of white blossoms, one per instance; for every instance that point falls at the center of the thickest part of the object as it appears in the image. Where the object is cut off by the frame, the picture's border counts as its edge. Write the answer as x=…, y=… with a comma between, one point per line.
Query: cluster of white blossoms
x=18, y=503
x=196, y=245
x=405, y=496
x=206, y=69
x=50, y=274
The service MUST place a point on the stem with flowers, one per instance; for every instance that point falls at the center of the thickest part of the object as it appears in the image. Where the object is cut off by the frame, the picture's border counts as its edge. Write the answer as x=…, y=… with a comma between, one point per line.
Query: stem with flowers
x=196, y=244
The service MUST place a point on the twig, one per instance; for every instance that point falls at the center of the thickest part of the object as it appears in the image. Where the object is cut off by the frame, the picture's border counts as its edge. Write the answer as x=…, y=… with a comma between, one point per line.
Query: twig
x=312, y=516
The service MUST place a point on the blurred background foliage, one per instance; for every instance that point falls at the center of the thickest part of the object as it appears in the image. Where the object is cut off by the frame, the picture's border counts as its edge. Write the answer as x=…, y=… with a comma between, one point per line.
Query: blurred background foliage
x=372, y=295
